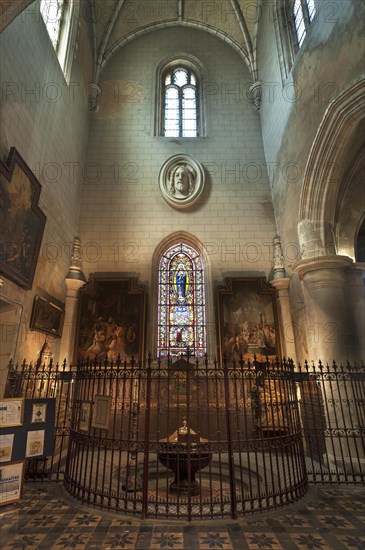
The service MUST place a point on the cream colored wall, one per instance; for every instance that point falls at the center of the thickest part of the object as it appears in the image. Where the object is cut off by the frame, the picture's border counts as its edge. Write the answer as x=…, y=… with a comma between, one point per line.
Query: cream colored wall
x=47, y=121
x=329, y=62
x=123, y=215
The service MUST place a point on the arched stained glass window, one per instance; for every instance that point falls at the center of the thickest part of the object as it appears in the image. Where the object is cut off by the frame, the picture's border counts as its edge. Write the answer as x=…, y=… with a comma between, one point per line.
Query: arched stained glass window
x=181, y=303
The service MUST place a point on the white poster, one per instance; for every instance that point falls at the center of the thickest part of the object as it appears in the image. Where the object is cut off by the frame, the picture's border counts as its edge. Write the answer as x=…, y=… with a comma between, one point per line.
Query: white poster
x=11, y=480
x=6, y=447
x=35, y=443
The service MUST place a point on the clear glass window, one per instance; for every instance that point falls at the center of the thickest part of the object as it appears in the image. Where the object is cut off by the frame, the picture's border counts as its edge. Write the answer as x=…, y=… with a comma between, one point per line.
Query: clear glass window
x=180, y=114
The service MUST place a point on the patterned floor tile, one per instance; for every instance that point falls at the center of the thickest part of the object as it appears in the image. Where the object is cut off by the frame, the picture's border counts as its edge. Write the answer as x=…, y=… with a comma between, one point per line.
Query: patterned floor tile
x=337, y=522
x=125, y=540
x=44, y=520
x=328, y=518
x=167, y=539
x=72, y=540
x=87, y=520
x=24, y=542
x=353, y=542
x=294, y=521
x=215, y=539
x=263, y=541
x=311, y=542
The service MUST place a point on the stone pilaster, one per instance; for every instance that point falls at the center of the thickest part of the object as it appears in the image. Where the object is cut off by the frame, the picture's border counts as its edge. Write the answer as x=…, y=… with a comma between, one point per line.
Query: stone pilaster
x=74, y=280
x=282, y=287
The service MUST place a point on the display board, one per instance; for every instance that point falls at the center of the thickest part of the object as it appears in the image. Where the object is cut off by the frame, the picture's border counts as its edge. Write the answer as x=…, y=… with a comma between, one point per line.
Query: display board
x=34, y=433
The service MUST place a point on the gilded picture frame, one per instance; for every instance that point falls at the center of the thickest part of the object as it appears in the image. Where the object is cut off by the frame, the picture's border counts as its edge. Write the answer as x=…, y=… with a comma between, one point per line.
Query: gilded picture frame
x=11, y=411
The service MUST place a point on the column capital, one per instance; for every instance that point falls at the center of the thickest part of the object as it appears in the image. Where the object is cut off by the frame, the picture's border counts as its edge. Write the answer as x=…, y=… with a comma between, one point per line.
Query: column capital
x=332, y=262
x=73, y=284
x=281, y=284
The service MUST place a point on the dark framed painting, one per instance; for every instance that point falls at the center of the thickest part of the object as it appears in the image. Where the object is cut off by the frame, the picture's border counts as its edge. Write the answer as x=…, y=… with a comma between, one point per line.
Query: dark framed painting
x=47, y=316
x=21, y=220
x=111, y=319
x=248, y=320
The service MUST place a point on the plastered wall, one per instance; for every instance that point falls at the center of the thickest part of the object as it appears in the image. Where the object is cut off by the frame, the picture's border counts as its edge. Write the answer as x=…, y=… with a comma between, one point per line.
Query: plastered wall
x=123, y=214
x=46, y=119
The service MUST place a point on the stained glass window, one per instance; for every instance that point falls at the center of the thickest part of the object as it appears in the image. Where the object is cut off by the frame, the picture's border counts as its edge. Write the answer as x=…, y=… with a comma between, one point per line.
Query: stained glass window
x=180, y=115
x=181, y=304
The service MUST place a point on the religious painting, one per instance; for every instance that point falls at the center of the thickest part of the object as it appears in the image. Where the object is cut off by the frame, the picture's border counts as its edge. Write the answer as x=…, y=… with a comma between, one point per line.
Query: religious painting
x=248, y=322
x=47, y=316
x=21, y=220
x=111, y=319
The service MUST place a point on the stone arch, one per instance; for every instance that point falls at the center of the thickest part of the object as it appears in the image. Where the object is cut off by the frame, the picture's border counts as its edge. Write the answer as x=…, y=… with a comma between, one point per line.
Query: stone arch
x=194, y=242
x=324, y=182
x=168, y=24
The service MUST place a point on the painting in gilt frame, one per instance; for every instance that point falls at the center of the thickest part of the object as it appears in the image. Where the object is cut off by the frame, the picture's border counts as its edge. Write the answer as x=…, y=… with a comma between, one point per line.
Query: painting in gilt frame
x=47, y=317
x=21, y=220
x=111, y=319
x=248, y=321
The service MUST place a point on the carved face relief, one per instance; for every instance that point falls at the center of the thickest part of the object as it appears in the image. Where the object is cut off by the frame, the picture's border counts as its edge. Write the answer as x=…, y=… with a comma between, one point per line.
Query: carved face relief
x=181, y=181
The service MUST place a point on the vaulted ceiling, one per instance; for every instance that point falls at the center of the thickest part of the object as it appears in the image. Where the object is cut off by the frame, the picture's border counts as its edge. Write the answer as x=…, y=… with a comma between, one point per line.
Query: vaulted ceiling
x=115, y=22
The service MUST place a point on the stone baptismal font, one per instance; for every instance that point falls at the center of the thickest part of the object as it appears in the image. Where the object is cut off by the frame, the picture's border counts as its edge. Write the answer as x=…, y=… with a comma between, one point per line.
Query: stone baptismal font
x=185, y=453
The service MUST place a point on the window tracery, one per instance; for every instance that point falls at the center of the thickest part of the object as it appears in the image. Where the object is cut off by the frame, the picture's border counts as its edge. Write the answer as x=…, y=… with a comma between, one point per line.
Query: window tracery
x=60, y=18
x=181, y=303
x=179, y=101
x=292, y=20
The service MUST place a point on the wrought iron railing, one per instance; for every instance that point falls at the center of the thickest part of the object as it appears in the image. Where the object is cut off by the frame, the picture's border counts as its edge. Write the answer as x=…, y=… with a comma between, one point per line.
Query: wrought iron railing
x=189, y=439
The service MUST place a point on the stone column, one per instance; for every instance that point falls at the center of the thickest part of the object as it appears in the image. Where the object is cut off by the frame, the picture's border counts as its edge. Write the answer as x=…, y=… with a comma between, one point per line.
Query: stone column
x=282, y=287
x=330, y=336
x=328, y=330
x=74, y=280
x=356, y=300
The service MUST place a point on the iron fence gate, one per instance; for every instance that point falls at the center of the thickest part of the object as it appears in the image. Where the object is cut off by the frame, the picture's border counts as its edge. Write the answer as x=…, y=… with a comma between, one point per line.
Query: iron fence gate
x=332, y=406
x=190, y=439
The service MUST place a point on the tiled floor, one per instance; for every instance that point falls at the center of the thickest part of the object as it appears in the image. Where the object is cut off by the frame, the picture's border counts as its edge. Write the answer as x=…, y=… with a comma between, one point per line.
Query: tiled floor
x=327, y=518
